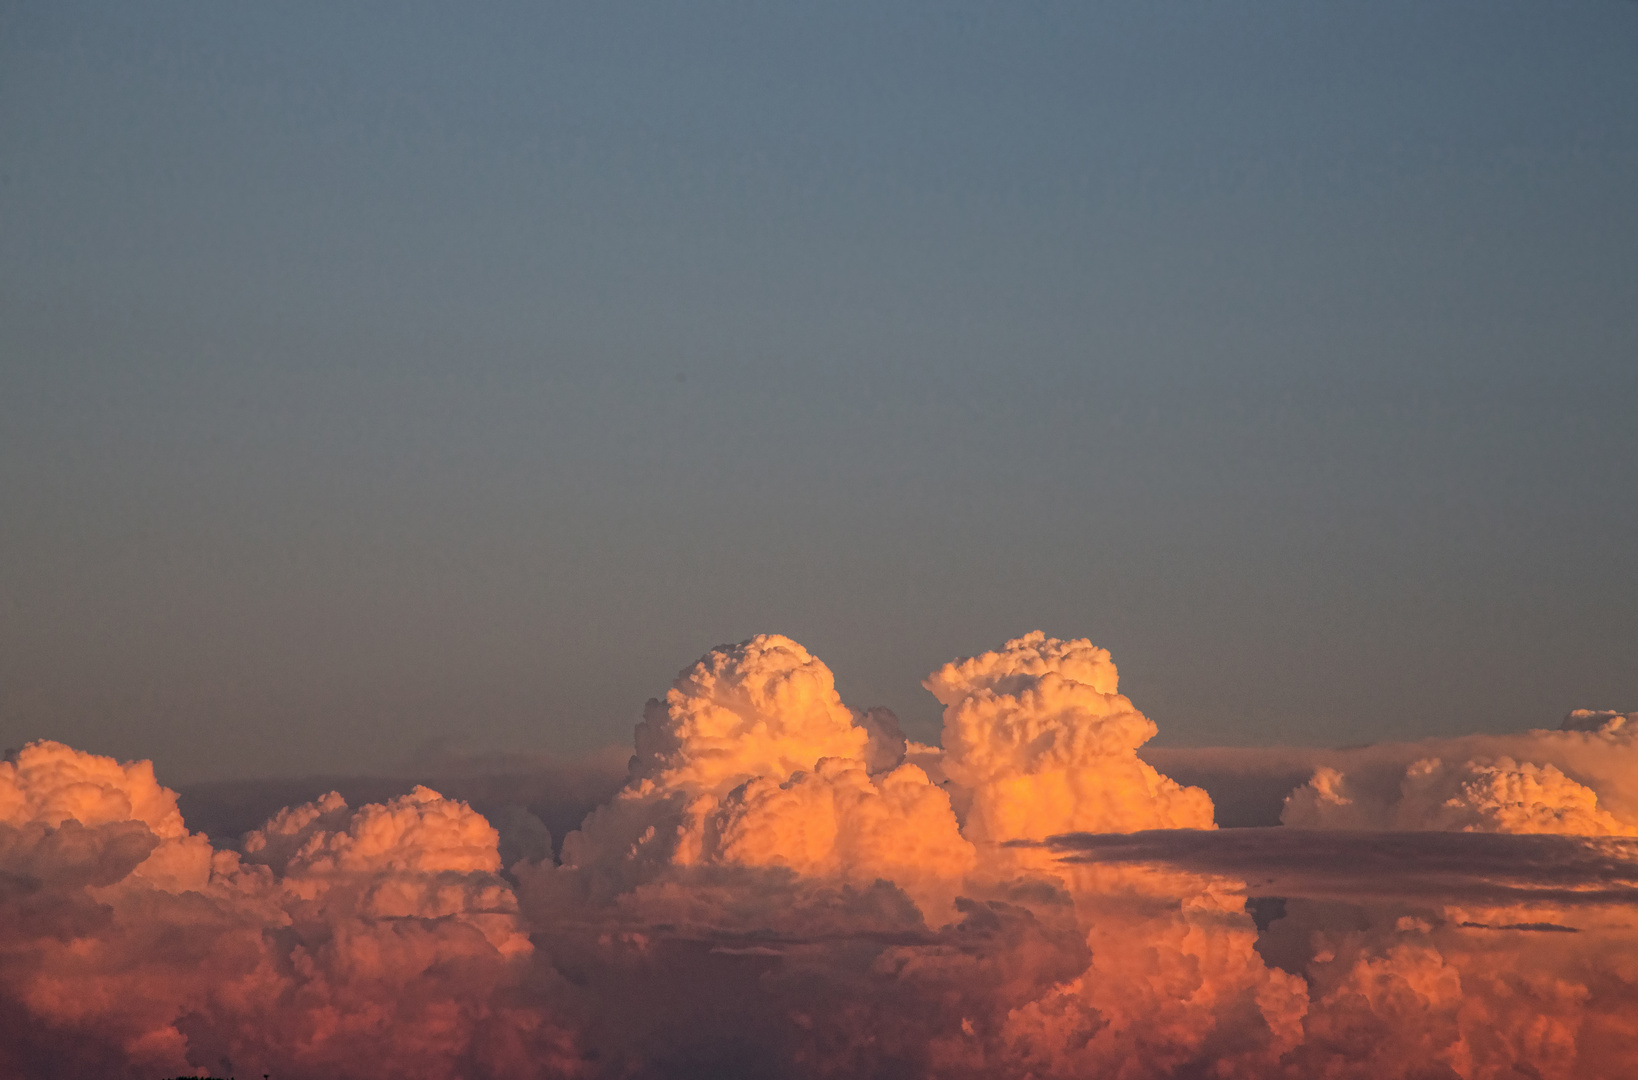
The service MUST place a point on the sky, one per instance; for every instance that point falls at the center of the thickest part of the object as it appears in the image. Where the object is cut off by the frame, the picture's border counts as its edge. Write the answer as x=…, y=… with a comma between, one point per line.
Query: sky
x=384, y=377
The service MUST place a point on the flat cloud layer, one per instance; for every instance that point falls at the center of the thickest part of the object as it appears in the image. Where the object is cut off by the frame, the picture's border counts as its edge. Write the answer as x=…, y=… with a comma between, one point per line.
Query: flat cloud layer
x=1573, y=871
x=784, y=886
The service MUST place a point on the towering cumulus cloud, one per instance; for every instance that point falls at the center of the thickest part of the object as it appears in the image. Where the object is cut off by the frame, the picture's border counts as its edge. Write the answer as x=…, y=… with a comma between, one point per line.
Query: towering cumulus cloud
x=1038, y=737
x=1038, y=743
x=787, y=887
x=752, y=760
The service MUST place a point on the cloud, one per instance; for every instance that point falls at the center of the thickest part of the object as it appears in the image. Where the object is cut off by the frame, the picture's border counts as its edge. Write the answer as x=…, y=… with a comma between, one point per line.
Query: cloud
x=1456, y=867
x=753, y=759
x=780, y=884
x=762, y=708
x=1471, y=796
x=1431, y=953
x=368, y=941
x=1041, y=743
x=527, y=797
x=1595, y=749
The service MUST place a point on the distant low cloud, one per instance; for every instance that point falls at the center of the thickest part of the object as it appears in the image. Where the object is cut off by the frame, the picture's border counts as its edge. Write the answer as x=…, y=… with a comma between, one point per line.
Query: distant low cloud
x=1591, y=758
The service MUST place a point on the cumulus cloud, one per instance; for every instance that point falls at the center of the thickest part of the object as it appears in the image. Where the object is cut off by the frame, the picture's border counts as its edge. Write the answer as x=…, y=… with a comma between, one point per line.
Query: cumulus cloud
x=1481, y=792
x=1502, y=796
x=367, y=942
x=762, y=708
x=1596, y=749
x=1041, y=742
x=753, y=760
x=532, y=799
x=783, y=885
x=48, y=784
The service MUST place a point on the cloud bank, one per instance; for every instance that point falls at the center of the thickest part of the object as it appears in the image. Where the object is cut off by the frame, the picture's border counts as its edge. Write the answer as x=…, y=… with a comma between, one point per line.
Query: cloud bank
x=785, y=886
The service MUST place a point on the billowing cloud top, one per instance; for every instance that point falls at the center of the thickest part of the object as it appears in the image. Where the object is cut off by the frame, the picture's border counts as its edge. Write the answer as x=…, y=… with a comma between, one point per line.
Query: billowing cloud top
x=1022, y=663
x=420, y=832
x=50, y=783
x=1038, y=735
x=764, y=707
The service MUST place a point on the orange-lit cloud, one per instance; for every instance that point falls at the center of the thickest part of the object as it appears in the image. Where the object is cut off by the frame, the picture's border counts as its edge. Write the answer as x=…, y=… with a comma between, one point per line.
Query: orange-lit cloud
x=786, y=886
x=1042, y=744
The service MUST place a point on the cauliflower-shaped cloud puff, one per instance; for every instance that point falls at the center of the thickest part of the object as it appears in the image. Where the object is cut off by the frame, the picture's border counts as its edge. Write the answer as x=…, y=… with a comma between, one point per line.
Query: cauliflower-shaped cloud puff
x=1498, y=796
x=1039, y=737
x=356, y=942
x=839, y=821
x=1022, y=661
x=401, y=932
x=1503, y=796
x=764, y=707
x=51, y=783
x=752, y=760
x=418, y=856
x=47, y=783
x=419, y=832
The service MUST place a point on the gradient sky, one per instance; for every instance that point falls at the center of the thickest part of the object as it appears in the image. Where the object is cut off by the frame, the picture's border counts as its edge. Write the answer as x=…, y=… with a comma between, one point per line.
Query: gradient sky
x=379, y=374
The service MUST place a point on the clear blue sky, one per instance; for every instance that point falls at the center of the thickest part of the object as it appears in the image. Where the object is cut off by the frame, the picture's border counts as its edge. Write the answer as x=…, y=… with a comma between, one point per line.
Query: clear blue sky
x=373, y=374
